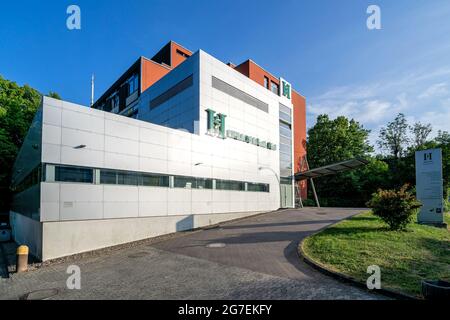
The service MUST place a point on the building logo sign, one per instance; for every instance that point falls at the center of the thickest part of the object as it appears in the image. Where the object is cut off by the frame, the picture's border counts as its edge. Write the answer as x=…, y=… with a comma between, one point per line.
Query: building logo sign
x=216, y=127
x=285, y=89
x=216, y=123
x=429, y=186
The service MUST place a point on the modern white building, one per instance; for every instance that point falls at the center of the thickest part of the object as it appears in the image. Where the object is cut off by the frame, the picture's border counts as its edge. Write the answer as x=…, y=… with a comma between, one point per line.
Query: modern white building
x=205, y=144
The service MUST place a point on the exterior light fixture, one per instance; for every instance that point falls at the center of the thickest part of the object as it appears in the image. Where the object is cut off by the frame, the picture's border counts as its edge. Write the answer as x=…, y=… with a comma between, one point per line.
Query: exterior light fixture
x=81, y=146
x=197, y=164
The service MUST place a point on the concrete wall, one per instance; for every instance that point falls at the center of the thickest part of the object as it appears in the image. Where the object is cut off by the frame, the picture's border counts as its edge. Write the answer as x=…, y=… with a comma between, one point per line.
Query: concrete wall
x=27, y=231
x=71, y=237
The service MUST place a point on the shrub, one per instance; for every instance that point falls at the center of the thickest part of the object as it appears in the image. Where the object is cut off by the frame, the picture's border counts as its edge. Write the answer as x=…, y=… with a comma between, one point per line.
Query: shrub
x=394, y=207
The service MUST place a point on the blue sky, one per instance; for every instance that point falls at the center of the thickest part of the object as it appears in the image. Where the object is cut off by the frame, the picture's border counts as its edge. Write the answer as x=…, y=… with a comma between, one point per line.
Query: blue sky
x=322, y=47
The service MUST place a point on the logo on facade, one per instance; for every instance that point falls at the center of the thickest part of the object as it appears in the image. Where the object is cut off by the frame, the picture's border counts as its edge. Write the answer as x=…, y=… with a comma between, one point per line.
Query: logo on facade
x=428, y=156
x=216, y=127
x=216, y=123
x=286, y=89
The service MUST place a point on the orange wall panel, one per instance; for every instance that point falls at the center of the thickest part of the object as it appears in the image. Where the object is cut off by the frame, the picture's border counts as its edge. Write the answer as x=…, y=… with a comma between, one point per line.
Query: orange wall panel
x=299, y=118
x=176, y=58
x=151, y=72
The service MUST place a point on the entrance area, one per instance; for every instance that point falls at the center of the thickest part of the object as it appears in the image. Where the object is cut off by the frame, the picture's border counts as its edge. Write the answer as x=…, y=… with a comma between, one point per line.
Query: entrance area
x=286, y=196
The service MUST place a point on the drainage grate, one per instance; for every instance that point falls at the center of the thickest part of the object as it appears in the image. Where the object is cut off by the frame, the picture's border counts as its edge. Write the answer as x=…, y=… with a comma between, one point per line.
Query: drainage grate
x=216, y=245
x=41, y=294
x=138, y=255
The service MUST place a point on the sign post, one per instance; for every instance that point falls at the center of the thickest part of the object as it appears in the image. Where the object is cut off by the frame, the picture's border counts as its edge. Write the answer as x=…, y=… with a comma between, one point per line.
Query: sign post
x=429, y=186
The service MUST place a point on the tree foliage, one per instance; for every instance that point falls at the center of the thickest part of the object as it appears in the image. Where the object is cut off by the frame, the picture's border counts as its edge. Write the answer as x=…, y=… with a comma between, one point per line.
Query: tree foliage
x=336, y=140
x=331, y=141
x=394, y=137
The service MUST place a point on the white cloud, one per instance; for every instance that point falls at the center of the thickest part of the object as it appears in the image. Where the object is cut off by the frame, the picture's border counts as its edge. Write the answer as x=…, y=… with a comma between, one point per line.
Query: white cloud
x=421, y=96
x=436, y=90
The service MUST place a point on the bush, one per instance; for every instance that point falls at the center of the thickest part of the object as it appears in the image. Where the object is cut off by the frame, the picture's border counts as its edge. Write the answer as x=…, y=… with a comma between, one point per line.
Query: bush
x=394, y=207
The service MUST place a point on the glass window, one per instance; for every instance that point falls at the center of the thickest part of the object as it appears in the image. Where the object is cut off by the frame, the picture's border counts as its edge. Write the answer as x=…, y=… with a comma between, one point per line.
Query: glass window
x=285, y=132
x=203, y=183
x=108, y=177
x=184, y=182
x=266, y=82
x=284, y=148
x=72, y=174
x=274, y=87
x=285, y=117
x=133, y=84
x=230, y=185
x=127, y=178
x=258, y=187
x=155, y=180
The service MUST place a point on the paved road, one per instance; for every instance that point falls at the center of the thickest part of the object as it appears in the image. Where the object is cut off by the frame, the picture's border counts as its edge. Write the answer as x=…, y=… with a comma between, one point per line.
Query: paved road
x=253, y=258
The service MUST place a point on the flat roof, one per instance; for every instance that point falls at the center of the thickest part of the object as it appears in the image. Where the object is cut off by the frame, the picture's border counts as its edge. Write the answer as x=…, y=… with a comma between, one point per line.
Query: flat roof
x=331, y=169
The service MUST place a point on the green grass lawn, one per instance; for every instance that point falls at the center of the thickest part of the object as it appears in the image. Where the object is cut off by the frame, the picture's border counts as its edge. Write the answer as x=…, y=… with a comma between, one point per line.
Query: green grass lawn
x=405, y=258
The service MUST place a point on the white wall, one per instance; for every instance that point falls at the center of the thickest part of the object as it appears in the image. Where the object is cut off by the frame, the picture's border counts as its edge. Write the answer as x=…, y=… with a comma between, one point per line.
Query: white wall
x=116, y=142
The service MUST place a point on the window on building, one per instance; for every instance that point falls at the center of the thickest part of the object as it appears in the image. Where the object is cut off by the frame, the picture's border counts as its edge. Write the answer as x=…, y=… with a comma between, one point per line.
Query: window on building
x=230, y=185
x=155, y=180
x=274, y=87
x=115, y=102
x=108, y=177
x=133, y=84
x=183, y=54
x=128, y=178
x=192, y=182
x=266, y=82
x=258, y=187
x=73, y=174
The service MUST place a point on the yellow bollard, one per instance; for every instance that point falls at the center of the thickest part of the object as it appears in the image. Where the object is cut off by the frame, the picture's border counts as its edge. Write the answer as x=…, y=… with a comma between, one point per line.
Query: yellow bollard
x=22, y=259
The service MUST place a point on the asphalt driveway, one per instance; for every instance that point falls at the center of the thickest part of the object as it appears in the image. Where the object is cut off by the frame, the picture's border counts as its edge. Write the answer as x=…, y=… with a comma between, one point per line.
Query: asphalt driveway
x=254, y=258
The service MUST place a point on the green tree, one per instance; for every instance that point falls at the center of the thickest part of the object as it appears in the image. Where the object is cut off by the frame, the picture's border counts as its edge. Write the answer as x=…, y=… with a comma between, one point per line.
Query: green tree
x=394, y=137
x=420, y=133
x=331, y=141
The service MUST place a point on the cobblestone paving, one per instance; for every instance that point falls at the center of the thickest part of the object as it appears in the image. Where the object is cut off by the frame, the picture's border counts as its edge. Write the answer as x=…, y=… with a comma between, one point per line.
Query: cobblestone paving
x=149, y=272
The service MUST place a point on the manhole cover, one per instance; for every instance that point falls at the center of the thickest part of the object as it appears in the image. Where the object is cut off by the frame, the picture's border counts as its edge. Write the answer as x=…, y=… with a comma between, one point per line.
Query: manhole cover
x=216, y=245
x=41, y=294
x=137, y=255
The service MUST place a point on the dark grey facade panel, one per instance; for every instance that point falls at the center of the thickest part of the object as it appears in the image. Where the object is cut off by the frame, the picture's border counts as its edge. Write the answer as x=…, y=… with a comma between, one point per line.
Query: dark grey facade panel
x=239, y=94
x=176, y=89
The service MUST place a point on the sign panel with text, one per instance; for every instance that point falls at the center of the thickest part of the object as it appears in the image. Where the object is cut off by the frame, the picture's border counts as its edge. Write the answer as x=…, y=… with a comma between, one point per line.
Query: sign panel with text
x=429, y=185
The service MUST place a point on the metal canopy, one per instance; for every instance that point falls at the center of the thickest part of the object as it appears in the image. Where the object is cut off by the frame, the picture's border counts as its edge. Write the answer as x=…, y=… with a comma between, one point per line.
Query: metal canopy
x=331, y=169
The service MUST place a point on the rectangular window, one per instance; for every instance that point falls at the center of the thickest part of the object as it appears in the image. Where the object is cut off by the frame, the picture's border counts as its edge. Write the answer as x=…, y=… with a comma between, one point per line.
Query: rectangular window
x=184, y=182
x=108, y=177
x=183, y=54
x=230, y=185
x=127, y=178
x=72, y=174
x=266, y=82
x=176, y=89
x=204, y=183
x=258, y=187
x=192, y=183
x=155, y=180
x=274, y=88
x=133, y=84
